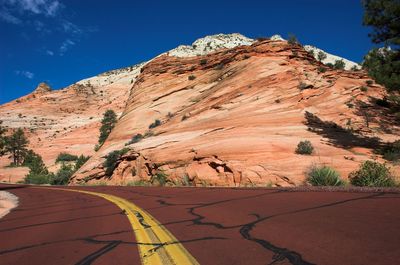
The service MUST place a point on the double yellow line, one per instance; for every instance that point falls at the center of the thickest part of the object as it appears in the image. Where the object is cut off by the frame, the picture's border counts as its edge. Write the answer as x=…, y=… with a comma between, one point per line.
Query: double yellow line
x=156, y=244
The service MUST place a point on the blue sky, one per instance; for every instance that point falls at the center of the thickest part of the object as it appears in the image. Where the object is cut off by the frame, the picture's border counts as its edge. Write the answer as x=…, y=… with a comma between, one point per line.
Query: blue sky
x=63, y=41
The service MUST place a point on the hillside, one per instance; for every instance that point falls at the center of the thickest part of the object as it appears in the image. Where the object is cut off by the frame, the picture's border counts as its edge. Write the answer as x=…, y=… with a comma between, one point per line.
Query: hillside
x=235, y=116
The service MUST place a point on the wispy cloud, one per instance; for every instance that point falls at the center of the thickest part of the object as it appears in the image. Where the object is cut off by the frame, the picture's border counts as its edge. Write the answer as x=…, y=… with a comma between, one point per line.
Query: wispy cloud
x=7, y=17
x=70, y=27
x=48, y=52
x=66, y=45
x=26, y=74
x=44, y=7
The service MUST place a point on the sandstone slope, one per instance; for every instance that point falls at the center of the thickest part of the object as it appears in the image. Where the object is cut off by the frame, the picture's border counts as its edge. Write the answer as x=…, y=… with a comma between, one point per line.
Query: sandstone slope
x=65, y=120
x=235, y=116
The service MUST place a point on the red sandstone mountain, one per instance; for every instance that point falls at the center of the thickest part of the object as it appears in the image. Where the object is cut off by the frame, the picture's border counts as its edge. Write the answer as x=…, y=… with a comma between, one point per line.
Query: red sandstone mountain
x=230, y=115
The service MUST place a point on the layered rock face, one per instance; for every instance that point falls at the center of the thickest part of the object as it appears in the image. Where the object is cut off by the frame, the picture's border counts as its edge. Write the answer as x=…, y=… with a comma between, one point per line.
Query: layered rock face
x=66, y=120
x=234, y=118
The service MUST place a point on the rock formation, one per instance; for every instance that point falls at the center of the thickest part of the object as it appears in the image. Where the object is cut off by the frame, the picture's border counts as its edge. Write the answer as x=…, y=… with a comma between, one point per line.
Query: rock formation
x=234, y=117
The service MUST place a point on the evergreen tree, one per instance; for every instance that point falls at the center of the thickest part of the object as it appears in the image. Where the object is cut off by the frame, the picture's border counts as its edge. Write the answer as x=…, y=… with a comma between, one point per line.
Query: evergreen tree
x=3, y=139
x=107, y=124
x=16, y=145
x=63, y=175
x=384, y=64
x=339, y=64
x=321, y=56
x=383, y=16
x=81, y=160
x=38, y=172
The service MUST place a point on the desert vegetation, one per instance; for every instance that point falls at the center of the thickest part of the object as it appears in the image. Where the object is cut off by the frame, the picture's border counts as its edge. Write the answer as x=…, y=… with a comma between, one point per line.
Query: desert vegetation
x=324, y=176
x=372, y=174
x=107, y=124
x=304, y=148
x=111, y=160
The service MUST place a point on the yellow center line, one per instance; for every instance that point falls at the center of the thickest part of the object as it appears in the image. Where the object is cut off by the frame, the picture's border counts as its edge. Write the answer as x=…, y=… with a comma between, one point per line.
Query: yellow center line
x=156, y=244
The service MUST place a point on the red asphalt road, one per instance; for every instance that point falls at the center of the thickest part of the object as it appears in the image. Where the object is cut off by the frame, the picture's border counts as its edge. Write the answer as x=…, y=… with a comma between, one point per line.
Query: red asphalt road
x=217, y=226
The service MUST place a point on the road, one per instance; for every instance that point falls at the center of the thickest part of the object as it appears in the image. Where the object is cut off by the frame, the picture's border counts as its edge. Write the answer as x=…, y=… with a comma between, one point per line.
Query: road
x=205, y=225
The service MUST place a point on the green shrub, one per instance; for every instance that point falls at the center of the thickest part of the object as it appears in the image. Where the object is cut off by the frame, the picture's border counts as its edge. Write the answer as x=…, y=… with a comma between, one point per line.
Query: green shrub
x=391, y=152
x=292, y=39
x=111, y=160
x=321, y=69
x=324, y=176
x=191, y=77
x=138, y=183
x=135, y=139
x=304, y=148
x=321, y=56
x=160, y=177
x=203, y=61
x=339, y=64
x=107, y=124
x=364, y=89
x=63, y=175
x=38, y=172
x=81, y=160
x=155, y=124
x=38, y=179
x=369, y=82
x=372, y=174
x=65, y=157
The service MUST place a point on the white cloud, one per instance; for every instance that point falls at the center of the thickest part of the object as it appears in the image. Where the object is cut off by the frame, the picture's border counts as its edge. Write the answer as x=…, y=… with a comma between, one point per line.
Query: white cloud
x=70, y=27
x=26, y=74
x=66, y=45
x=48, y=52
x=45, y=7
x=7, y=17
x=11, y=10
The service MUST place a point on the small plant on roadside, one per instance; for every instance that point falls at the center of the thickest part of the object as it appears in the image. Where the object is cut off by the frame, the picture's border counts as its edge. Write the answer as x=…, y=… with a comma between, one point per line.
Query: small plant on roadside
x=372, y=174
x=304, y=148
x=160, y=177
x=324, y=176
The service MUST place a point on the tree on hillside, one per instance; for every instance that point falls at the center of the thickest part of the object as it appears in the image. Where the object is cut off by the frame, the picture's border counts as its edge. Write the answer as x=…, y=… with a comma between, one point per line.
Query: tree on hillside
x=321, y=56
x=384, y=17
x=339, y=64
x=38, y=173
x=81, y=160
x=3, y=139
x=107, y=124
x=384, y=64
x=16, y=145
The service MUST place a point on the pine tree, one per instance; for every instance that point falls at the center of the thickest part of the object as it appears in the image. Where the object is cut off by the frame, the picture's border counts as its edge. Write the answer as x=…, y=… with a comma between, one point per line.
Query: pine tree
x=38, y=172
x=383, y=16
x=16, y=145
x=3, y=139
x=384, y=64
x=107, y=124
